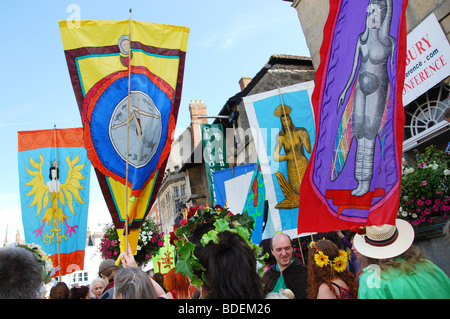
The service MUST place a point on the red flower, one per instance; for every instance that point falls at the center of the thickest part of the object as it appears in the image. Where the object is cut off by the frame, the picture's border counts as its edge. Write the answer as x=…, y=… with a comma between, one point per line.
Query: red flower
x=192, y=211
x=359, y=230
x=183, y=222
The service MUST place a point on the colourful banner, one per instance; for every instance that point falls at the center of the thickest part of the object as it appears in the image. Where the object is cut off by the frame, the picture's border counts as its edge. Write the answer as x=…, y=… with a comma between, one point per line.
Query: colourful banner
x=128, y=140
x=256, y=205
x=165, y=259
x=54, y=176
x=214, y=154
x=220, y=177
x=282, y=123
x=354, y=175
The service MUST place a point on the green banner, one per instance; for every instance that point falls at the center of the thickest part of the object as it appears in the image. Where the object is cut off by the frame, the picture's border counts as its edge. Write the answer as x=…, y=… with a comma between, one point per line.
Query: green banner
x=214, y=154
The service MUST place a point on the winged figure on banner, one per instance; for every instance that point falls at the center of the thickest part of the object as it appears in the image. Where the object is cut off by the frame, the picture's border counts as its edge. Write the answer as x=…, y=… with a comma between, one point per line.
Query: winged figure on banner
x=55, y=192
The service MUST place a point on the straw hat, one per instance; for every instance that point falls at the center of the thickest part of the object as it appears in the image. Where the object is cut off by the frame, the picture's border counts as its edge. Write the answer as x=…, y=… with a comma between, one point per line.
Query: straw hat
x=385, y=241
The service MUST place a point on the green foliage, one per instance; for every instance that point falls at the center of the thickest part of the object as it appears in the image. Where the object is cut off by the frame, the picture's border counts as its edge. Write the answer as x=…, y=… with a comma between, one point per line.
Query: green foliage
x=222, y=220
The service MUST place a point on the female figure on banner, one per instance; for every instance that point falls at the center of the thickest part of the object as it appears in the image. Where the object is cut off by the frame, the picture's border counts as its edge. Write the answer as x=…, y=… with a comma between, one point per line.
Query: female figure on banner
x=368, y=100
x=295, y=141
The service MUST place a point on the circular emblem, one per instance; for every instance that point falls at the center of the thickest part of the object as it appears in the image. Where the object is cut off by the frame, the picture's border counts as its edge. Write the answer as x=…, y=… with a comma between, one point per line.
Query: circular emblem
x=106, y=121
x=143, y=117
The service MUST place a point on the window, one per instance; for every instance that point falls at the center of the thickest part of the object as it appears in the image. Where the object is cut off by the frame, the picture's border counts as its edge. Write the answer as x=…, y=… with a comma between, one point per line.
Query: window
x=183, y=190
x=176, y=192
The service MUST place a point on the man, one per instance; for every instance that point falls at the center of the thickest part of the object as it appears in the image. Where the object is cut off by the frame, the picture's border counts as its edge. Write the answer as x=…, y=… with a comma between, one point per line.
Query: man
x=20, y=274
x=287, y=272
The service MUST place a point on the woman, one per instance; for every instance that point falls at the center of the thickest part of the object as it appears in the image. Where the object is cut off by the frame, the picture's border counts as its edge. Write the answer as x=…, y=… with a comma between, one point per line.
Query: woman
x=133, y=283
x=178, y=286
x=230, y=269
x=328, y=276
x=394, y=269
x=107, y=271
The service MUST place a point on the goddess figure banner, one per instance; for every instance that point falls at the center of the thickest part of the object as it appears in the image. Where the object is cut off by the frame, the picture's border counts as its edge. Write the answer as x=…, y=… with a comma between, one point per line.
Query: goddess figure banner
x=127, y=141
x=282, y=124
x=353, y=178
x=54, y=176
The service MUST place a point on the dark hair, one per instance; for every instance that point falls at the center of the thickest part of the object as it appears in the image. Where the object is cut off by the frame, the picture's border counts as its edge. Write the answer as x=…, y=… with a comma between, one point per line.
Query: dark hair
x=230, y=269
x=159, y=278
x=20, y=274
x=50, y=172
x=79, y=292
x=265, y=244
x=60, y=291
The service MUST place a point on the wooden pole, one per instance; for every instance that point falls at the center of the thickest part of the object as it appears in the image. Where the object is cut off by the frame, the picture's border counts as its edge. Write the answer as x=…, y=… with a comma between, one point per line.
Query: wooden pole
x=57, y=210
x=128, y=135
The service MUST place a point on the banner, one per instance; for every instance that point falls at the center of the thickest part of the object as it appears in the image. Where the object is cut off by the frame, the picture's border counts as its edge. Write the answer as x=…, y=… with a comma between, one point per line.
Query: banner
x=214, y=154
x=165, y=259
x=127, y=140
x=256, y=205
x=354, y=175
x=282, y=123
x=54, y=176
x=220, y=177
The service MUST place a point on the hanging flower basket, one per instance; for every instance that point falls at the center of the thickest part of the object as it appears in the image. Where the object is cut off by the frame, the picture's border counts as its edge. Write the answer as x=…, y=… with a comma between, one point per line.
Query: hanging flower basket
x=425, y=198
x=151, y=239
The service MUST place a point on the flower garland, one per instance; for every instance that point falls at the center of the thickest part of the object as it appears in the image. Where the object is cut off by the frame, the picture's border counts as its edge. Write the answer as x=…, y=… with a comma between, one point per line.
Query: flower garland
x=339, y=263
x=151, y=239
x=222, y=220
x=425, y=187
x=47, y=264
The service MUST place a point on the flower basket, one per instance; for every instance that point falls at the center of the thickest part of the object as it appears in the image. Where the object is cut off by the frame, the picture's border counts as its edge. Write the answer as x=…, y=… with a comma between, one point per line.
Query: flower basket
x=425, y=198
x=151, y=239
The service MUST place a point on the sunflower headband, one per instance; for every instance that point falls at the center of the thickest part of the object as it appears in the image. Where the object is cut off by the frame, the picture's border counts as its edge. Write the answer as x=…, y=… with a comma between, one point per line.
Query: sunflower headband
x=339, y=263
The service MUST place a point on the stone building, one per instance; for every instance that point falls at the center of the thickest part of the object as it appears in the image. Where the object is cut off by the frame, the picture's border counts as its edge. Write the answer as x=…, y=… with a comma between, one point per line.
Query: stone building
x=279, y=71
x=177, y=190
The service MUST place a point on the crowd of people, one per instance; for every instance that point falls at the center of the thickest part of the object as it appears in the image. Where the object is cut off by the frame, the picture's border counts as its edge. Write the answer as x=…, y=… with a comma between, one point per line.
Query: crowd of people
x=376, y=262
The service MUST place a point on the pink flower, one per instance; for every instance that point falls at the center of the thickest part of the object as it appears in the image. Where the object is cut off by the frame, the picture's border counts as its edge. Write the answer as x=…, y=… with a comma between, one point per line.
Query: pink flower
x=428, y=202
x=183, y=222
x=424, y=183
x=427, y=211
x=437, y=201
x=420, y=203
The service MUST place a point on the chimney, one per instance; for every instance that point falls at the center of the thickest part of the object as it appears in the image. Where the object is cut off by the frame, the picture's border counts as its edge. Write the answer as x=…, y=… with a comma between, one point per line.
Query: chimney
x=244, y=81
x=197, y=108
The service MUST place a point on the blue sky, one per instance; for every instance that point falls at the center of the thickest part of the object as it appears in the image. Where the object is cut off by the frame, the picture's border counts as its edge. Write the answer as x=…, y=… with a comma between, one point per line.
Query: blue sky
x=228, y=40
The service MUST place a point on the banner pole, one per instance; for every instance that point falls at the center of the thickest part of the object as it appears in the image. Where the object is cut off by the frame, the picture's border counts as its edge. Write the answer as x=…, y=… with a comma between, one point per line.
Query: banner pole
x=57, y=210
x=128, y=136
